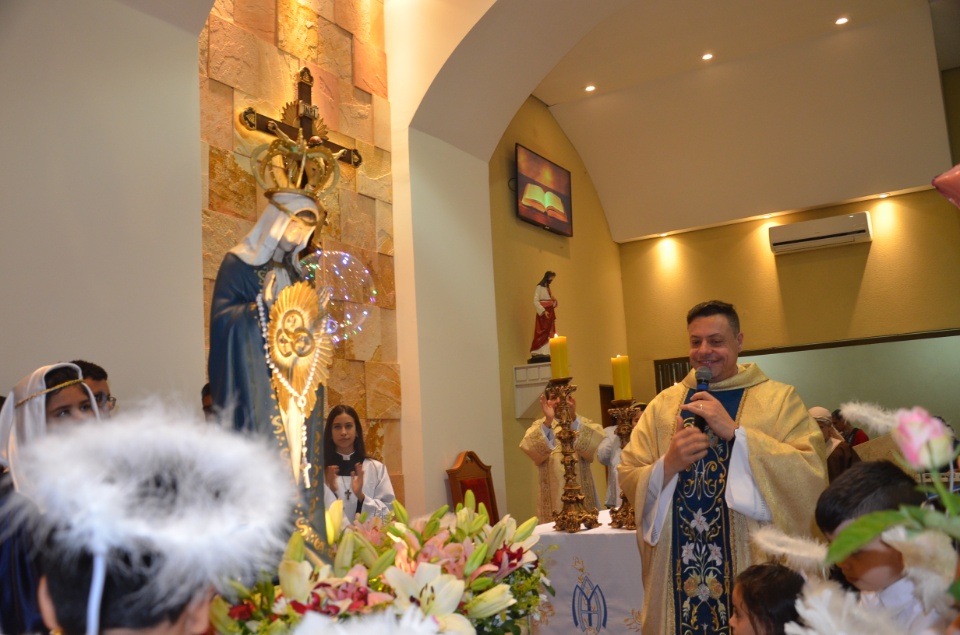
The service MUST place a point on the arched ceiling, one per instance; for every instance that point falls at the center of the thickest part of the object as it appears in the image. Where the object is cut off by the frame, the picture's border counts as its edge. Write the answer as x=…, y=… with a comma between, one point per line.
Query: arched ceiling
x=793, y=112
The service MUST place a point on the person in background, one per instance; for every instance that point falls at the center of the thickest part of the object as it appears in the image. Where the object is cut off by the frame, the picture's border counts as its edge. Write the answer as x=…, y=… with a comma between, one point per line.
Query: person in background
x=350, y=475
x=840, y=454
x=609, y=454
x=49, y=397
x=206, y=400
x=853, y=436
x=540, y=444
x=764, y=599
x=96, y=377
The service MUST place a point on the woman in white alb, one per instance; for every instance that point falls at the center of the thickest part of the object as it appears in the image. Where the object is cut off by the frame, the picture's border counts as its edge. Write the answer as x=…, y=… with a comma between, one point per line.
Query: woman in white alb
x=360, y=482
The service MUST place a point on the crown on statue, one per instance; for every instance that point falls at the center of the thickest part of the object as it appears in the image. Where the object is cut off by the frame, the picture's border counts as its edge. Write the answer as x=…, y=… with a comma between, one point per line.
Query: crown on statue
x=304, y=166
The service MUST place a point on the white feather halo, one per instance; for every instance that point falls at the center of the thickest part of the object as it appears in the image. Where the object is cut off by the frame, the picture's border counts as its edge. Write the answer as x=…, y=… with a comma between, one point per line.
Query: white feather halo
x=826, y=609
x=412, y=622
x=801, y=554
x=871, y=416
x=212, y=503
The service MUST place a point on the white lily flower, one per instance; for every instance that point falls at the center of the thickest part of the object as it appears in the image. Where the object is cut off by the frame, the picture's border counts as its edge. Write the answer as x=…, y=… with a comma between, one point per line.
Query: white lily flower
x=295, y=579
x=438, y=595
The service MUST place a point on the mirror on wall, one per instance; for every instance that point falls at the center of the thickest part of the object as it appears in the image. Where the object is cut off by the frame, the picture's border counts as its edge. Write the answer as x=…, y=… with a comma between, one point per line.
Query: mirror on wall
x=917, y=369
x=914, y=370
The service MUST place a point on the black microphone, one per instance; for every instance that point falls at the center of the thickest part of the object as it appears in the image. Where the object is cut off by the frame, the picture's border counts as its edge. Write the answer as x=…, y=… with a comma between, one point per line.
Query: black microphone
x=703, y=375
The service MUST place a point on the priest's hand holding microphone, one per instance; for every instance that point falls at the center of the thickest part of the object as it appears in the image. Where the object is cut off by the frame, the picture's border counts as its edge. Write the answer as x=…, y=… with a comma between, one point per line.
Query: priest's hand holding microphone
x=689, y=443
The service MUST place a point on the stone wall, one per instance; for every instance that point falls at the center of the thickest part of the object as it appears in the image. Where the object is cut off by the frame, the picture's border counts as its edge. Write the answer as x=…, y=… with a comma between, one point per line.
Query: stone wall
x=249, y=54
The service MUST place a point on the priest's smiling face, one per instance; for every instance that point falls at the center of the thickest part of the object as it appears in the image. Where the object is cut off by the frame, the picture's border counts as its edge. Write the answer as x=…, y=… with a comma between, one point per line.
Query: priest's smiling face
x=714, y=344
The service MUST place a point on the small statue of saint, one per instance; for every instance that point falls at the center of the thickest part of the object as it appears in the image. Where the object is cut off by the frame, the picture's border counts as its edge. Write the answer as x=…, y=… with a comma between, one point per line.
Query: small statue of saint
x=545, y=326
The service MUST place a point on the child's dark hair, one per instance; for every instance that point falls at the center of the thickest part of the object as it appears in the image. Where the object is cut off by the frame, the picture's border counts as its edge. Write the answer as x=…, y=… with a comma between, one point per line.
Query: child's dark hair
x=330, y=448
x=123, y=604
x=769, y=593
x=871, y=486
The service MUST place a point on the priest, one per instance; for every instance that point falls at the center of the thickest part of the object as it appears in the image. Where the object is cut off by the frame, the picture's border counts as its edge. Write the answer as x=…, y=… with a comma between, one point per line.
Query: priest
x=703, y=466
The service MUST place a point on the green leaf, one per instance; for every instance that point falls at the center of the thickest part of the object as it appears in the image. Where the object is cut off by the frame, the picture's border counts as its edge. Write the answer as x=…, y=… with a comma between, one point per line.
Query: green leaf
x=437, y=515
x=400, y=512
x=344, y=558
x=481, y=584
x=384, y=562
x=863, y=530
x=295, y=548
x=954, y=590
x=525, y=530
x=476, y=559
x=433, y=526
x=365, y=551
x=932, y=519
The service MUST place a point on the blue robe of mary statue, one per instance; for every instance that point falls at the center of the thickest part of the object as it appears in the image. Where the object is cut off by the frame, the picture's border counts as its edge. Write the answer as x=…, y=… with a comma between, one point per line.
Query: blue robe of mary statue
x=240, y=381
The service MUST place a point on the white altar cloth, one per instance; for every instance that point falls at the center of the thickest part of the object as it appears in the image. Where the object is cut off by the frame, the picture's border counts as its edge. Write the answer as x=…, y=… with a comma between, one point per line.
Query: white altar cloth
x=596, y=575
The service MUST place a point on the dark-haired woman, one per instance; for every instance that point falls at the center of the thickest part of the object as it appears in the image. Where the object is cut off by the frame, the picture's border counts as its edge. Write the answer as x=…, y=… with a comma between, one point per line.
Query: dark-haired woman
x=360, y=482
x=47, y=397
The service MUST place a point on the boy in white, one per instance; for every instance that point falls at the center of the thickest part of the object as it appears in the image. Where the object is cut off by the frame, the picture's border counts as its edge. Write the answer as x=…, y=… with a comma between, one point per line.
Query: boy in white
x=877, y=570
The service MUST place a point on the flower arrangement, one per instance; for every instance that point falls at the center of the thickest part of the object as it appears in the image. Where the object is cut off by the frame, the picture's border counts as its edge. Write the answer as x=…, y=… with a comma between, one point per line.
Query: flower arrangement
x=922, y=534
x=463, y=574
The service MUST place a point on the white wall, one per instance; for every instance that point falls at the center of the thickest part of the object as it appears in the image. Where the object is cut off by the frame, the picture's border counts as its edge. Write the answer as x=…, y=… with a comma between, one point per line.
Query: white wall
x=457, y=72
x=456, y=318
x=100, y=177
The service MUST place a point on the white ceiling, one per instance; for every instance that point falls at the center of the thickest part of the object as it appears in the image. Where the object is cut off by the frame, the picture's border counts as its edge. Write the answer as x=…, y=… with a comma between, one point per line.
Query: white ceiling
x=793, y=112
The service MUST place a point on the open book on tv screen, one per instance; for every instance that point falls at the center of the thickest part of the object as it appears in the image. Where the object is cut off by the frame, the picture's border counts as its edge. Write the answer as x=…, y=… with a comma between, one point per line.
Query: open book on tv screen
x=543, y=192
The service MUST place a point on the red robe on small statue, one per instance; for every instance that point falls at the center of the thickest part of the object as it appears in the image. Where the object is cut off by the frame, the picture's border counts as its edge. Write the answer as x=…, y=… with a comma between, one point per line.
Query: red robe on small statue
x=546, y=322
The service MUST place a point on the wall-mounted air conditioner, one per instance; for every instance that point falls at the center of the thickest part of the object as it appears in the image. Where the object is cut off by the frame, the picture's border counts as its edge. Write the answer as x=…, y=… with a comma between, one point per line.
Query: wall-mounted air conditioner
x=824, y=232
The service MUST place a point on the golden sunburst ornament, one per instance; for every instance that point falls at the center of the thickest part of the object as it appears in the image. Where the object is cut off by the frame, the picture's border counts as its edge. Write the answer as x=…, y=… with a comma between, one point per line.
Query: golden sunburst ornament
x=300, y=348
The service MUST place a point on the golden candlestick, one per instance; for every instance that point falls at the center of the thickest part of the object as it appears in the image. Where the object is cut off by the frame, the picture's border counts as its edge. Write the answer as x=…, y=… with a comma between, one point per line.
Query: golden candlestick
x=573, y=515
x=624, y=410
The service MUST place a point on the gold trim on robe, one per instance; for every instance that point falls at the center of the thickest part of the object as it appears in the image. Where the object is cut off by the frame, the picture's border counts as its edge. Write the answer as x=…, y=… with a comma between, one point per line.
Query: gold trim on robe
x=787, y=457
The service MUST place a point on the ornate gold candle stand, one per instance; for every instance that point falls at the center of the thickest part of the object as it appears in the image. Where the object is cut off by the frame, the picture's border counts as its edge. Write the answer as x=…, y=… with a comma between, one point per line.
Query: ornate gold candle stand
x=623, y=411
x=573, y=516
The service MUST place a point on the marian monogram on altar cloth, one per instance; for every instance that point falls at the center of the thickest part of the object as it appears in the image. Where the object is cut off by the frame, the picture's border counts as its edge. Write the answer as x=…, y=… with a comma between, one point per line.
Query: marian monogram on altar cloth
x=702, y=574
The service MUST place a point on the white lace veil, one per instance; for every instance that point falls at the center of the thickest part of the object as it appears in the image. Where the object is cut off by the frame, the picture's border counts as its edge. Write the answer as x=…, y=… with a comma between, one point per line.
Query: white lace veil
x=259, y=246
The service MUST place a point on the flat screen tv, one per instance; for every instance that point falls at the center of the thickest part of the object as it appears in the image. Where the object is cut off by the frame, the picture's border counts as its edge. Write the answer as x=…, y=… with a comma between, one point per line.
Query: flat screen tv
x=543, y=192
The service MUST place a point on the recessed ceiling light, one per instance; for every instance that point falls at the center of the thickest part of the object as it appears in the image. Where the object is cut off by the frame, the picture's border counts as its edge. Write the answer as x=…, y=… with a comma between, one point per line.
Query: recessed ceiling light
x=767, y=215
x=841, y=21
x=663, y=235
x=883, y=196
x=590, y=88
x=707, y=56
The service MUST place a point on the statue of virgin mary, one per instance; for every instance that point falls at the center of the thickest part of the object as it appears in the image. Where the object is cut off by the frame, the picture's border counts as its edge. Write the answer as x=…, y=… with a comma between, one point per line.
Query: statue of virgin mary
x=269, y=347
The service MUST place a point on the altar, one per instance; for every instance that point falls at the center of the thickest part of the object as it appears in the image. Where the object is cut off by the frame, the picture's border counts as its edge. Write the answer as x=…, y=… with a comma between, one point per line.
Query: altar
x=596, y=575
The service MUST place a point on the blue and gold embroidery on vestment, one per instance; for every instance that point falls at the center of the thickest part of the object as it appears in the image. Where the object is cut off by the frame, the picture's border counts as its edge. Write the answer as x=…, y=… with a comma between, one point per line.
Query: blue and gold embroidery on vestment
x=702, y=573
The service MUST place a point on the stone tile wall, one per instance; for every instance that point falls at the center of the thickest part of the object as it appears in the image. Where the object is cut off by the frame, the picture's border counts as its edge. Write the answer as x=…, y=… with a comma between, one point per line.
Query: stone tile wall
x=249, y=54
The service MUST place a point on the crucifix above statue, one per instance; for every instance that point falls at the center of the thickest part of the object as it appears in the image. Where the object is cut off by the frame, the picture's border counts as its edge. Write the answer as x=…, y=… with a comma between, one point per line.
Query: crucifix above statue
x=297, y=115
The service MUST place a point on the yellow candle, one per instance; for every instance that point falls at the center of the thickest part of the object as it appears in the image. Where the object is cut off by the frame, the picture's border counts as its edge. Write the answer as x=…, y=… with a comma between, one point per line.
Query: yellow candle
x=621, y=377
x=559, y=358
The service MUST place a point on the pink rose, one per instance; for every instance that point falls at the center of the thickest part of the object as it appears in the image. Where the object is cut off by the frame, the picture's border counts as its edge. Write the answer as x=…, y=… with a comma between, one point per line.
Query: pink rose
x=925, y=441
